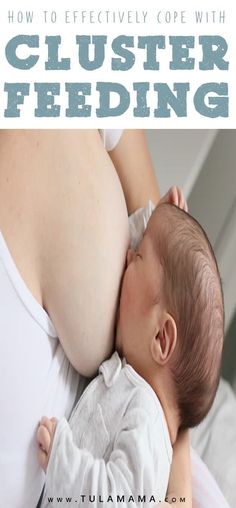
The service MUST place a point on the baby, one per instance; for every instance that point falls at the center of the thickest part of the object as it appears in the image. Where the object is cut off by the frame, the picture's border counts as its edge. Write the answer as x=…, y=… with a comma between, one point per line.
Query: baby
x=163, y=376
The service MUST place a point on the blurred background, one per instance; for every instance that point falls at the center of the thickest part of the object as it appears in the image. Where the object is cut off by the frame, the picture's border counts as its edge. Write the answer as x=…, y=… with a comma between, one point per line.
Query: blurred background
x=203, y=163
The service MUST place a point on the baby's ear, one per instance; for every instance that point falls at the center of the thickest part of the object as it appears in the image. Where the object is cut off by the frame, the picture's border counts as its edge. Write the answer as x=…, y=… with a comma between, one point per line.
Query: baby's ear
x=164, y=342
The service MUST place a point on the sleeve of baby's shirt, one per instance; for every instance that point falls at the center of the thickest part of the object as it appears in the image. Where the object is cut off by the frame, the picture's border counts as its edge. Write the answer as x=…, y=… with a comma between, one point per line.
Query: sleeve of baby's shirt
x=131, y=469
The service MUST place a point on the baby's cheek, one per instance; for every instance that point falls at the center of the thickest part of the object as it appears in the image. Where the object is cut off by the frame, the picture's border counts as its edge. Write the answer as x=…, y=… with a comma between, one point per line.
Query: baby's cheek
x=126, y=290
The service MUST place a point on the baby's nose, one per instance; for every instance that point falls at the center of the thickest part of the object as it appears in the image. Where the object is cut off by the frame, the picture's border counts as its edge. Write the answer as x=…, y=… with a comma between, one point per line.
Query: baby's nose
x=129, y=256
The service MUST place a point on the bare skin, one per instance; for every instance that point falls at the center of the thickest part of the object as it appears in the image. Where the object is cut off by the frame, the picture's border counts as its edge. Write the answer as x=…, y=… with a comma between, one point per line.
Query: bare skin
x=61, y=197
x=67, y=206
x=132, y=161
x=45, y=435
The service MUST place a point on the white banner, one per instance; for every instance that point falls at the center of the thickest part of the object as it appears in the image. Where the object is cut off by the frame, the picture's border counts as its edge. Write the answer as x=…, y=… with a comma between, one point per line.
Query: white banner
x=142, y=65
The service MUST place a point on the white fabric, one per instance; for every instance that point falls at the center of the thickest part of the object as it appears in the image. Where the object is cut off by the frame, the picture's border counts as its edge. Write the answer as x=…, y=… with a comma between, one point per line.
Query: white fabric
x=205, y=490
x=117, y=442
x=111, y=138
x=215, y=441
x=36, y=379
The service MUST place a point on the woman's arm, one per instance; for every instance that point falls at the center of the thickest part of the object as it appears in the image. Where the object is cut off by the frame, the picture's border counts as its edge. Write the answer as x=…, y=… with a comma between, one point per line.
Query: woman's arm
x=133, y=164
x=180, y=475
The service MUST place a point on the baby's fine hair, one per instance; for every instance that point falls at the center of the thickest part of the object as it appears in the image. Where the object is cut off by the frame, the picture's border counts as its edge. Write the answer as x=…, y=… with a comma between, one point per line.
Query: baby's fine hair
x=193, y=296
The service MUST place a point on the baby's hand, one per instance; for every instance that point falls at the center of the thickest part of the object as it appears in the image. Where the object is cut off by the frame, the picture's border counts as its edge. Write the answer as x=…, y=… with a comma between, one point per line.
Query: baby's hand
x=175, y=196
x=45, y=434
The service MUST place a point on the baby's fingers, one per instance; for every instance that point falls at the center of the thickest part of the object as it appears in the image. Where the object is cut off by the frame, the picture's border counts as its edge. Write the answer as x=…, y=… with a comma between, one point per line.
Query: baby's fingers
x=44, y=438
x=181, y=200
x=45, y=435
x=175, y=196
x=44, y=442
x=42, y=459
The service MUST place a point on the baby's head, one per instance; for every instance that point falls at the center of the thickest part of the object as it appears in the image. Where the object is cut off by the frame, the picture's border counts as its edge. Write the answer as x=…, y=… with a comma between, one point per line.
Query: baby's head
x=171, y=311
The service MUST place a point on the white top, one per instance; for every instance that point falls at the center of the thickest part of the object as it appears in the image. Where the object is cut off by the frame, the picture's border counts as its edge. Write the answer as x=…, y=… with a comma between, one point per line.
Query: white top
x=111, y=138
x=117, y=443
x=36, y=379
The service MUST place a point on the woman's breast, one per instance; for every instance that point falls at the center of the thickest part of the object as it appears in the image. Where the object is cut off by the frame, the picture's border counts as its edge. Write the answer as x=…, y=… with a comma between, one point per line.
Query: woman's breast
x=97, y=258
x=69, y=175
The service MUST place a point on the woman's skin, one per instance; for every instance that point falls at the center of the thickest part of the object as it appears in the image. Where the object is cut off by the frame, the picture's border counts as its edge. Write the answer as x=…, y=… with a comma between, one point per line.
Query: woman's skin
x=64, y=218
x=133, y=164
x=180, y=475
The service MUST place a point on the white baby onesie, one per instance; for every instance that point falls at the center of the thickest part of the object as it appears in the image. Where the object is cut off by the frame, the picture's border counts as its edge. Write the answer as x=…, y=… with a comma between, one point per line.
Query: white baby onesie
x=117, y=444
